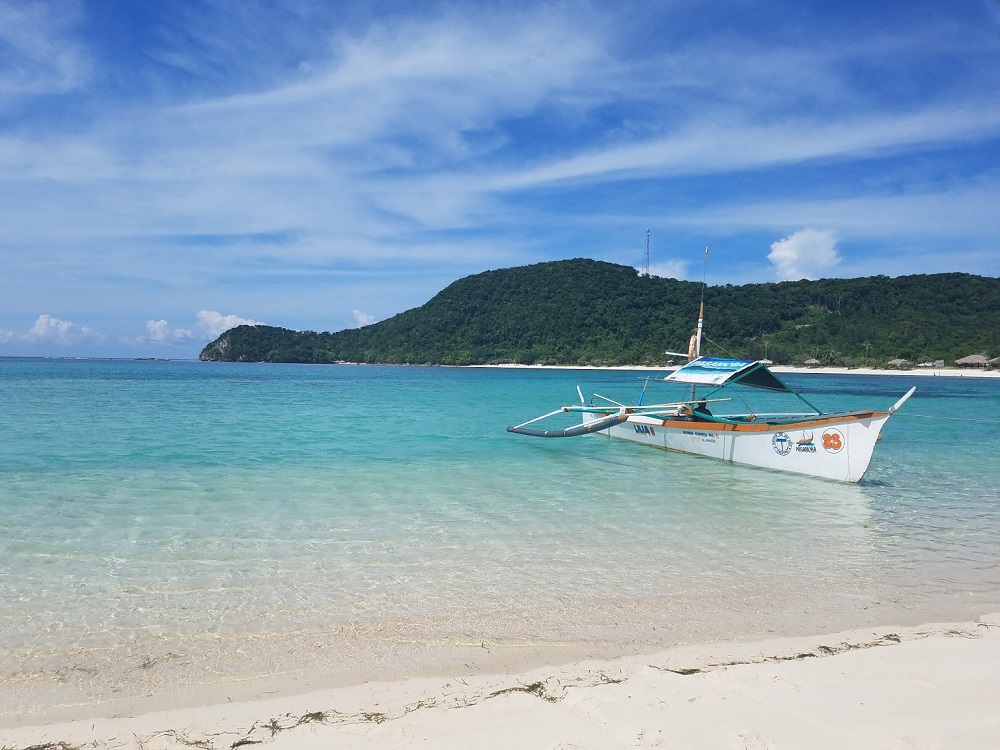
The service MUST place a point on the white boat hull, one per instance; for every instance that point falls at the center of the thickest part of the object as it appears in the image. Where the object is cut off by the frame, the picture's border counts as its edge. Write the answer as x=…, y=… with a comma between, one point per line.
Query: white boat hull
x=837, y=447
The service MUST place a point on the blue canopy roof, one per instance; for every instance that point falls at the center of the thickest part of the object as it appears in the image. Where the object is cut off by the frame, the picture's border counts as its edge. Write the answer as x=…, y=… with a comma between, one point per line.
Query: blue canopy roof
x=719, y=372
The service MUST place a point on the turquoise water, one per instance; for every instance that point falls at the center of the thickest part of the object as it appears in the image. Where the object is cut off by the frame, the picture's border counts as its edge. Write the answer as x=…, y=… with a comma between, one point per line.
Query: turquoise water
x=232, y=515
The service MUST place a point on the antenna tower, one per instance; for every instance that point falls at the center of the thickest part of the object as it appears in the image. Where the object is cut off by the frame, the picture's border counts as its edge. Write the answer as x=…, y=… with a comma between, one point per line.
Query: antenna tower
x=645, y=266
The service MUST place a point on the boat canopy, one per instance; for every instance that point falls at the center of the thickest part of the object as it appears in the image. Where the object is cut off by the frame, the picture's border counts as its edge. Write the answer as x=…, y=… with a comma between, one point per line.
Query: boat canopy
x=719, y=372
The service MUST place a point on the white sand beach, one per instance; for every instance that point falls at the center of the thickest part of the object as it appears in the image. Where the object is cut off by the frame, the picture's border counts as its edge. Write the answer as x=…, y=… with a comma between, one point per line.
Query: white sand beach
x=945, y=372
x=932, y=686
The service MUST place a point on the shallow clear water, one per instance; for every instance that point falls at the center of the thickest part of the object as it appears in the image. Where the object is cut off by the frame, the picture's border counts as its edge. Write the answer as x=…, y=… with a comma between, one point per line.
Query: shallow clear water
x=205, y=510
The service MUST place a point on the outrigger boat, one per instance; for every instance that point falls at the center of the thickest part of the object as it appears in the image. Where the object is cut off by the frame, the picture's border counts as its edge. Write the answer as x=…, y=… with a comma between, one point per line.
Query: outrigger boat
x=834, y=446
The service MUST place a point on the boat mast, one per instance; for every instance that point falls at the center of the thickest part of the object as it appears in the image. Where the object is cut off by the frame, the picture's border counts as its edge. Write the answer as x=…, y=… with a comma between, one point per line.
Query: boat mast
x=701, y=311
x=694, y=343
x=701, y=321
x=645, y=272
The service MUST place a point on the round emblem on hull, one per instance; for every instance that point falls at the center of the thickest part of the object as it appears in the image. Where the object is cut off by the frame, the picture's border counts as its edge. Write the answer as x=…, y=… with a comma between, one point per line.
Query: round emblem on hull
x=834, y=440
x=781, y=443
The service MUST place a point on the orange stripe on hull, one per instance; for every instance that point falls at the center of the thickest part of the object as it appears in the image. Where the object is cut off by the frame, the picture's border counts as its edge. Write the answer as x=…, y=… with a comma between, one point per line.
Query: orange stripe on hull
x=713, y=426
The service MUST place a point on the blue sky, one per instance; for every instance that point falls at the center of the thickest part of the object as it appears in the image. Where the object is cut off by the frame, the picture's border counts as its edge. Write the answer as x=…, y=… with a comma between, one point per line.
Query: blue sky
x=171, y=169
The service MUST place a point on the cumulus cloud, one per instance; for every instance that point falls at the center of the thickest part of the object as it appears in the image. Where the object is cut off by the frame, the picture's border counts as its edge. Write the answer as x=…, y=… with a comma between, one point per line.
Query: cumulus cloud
x=160, y=331
x=671, y=269
x=209, y=324
x=48, y=329
x=213, y=324
x=51, y=330
x=362, y=319
x=807, y=254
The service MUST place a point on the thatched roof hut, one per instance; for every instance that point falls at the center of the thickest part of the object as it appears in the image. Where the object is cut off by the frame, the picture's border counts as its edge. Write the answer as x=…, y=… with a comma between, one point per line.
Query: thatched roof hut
x=973, y=360
x=812, y=363
x=899, y=364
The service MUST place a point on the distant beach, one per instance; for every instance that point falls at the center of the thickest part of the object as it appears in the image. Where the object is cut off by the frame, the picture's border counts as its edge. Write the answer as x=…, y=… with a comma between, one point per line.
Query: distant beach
x=948, y=372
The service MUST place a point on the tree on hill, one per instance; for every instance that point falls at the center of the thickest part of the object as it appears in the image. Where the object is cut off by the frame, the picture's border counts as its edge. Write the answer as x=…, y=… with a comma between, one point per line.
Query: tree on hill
x=590, y=312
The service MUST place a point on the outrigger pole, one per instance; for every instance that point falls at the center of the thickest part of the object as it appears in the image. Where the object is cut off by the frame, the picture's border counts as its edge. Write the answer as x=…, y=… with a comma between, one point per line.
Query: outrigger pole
x=618, y=413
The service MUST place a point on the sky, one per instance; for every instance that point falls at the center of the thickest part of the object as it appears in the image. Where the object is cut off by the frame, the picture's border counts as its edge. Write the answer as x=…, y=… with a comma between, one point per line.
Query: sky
x=170, y=170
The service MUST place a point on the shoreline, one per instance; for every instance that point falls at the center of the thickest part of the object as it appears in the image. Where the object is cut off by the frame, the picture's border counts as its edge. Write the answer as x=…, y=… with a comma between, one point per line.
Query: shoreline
x=947, y=372
x=930, y=685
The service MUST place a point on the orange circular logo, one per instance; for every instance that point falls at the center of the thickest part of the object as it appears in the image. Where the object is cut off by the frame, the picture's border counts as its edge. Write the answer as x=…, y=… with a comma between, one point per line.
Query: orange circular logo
x=833, y=441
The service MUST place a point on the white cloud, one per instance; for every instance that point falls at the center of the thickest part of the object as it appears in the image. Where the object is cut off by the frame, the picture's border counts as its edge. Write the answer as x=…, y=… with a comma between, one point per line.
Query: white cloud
x=40, y=56
x=213, y=324
x=670, y=269
x=51, y=330
x=948, y=211
x=48, y=328
x=210, y=325
x=160, y=331
x=316, y=151
x=362, y=319
x=807, y=254
x=310, y=155
x=708, y=148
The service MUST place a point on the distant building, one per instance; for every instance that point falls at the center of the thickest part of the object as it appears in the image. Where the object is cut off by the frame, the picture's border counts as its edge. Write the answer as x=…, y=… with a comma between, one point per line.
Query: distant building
x=973, y=360
x=899, y=364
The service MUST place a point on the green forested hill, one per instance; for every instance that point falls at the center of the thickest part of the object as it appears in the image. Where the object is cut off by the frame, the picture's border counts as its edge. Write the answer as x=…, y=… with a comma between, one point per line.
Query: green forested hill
x=591, y=312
